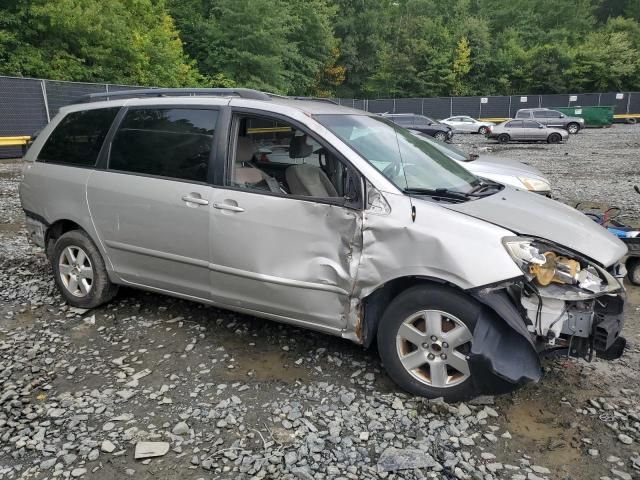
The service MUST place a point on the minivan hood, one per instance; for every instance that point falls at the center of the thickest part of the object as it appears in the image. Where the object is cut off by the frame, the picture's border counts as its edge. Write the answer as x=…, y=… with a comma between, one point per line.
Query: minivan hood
x=527, y=213
x=493, y=164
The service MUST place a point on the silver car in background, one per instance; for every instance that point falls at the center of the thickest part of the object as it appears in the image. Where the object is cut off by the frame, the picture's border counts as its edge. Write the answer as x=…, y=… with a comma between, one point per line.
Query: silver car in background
x=526, y=131
x=552, y=118
x=466, y=124
x=498, y=169
x=323, y=217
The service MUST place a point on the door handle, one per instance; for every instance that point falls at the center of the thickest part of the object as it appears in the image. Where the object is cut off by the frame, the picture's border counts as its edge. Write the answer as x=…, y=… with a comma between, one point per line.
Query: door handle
x=196, y=200
x=226, y=206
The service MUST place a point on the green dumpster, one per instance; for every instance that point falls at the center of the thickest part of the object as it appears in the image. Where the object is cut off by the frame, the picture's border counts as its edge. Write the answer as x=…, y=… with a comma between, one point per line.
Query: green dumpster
x=593, y=116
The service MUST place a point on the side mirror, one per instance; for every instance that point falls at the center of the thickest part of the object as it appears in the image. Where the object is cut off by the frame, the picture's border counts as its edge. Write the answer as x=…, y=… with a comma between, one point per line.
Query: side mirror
x=473, y=156
x=540, y=126
x=562, y=115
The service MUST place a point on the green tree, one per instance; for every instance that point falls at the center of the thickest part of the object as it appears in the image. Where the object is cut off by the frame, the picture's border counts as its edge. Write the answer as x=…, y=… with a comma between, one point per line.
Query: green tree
x=461, y=66
x=118, y=41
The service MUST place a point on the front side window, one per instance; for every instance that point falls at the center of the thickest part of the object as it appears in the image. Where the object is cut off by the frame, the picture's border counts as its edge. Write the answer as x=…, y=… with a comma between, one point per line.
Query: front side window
x=408, y=162
x=166, y=142
x=532, y=124
x=78, y=137
x=554, y=114
x=274, y=156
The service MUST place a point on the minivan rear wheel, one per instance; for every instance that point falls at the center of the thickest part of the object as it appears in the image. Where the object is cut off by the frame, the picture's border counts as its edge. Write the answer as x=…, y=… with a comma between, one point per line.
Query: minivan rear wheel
x=424, y=340
x=483, y=130
x=79, y=271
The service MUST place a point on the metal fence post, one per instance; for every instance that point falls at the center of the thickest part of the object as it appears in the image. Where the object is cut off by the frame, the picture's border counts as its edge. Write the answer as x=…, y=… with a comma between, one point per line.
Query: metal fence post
x=628, y=101
x=599, y=95
x=45, y=99
x=451, y=106
x=422, y=107
x=509, y=112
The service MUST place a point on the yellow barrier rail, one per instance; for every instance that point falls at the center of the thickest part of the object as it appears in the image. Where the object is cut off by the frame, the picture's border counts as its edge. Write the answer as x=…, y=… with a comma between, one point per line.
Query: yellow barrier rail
x=14, y=141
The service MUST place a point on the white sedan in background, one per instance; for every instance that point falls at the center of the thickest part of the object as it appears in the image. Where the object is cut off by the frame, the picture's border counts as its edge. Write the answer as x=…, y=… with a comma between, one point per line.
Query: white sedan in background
x=465, y=124
x=501, y=170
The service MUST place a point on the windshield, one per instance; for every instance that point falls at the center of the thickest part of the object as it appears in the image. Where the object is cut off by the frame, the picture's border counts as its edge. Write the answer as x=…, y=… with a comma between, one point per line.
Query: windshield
x=407, y=161
x=448, y=149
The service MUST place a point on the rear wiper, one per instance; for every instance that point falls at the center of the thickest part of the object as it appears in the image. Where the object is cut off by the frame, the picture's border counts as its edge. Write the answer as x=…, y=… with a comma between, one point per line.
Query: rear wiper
x=439, y=193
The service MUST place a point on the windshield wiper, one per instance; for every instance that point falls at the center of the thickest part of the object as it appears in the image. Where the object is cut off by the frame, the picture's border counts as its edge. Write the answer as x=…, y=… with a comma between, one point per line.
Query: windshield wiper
x=439, y=193
x=481, y=187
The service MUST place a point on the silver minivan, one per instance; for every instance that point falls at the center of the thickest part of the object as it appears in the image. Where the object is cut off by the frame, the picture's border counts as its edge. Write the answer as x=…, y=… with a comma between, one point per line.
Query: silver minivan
x=324, y=217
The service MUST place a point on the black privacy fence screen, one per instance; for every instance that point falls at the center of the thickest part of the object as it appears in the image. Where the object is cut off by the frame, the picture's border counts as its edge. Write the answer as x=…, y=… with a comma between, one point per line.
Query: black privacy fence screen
x=28, y=104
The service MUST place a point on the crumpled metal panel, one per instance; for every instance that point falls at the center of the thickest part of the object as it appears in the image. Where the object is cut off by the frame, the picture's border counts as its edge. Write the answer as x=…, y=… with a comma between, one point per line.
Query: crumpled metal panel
x=433, y=246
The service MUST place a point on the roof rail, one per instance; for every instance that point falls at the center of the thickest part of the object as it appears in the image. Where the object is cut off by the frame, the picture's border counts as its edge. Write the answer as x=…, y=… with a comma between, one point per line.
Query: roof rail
x=176, y=92
x=315, y=99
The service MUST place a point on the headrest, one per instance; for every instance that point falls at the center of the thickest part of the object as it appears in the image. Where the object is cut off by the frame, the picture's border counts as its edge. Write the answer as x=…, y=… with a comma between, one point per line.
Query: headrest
x=245, y=149
x=298, y=147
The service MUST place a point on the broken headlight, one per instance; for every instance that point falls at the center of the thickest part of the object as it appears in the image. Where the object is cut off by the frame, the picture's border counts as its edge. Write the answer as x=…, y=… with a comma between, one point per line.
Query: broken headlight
x=544, y=265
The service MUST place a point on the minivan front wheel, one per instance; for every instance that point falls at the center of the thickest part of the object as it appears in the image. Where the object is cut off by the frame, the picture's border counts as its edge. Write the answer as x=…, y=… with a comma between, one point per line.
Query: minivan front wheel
x=79, y=271
x=424, y=340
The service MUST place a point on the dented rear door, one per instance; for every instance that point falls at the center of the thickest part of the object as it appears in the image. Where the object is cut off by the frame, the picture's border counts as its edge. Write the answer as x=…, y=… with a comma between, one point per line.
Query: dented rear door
x=290, y=258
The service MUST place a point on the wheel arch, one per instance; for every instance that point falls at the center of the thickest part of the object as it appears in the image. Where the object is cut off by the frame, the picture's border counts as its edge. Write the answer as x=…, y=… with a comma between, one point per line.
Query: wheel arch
x=58, y=228
x=375, y=303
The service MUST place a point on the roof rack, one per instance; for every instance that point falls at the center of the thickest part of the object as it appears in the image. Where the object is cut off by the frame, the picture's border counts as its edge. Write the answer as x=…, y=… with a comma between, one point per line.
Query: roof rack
x=315, y=99
x=176, y=92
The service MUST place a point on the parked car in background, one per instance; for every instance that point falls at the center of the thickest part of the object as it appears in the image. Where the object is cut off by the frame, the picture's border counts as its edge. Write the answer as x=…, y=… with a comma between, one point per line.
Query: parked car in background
x=464, y=124
x=552, y=118
x=422, y=124
x=324, y=217
x=502, y=170
x=526, y=131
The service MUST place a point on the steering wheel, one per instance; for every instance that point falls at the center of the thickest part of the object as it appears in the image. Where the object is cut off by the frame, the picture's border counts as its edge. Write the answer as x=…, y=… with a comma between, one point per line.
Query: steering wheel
x=392, y=170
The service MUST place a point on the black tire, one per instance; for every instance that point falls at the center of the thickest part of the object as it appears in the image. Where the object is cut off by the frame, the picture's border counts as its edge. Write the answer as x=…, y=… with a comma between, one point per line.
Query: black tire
x=483, y=130
x=504, y=138
x=631, y=121
x=441, y=136
x=633, y=270
x=573, y=128
x=408, y=303
x=101, y=290
x=554, y=138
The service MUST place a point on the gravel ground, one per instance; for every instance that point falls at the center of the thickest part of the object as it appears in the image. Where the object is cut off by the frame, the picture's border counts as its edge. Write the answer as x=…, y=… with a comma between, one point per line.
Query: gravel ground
x=598, y=166
x=223, y=395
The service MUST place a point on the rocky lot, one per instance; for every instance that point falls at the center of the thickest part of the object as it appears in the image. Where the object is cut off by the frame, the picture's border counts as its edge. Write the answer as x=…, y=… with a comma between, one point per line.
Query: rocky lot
x=152, y=387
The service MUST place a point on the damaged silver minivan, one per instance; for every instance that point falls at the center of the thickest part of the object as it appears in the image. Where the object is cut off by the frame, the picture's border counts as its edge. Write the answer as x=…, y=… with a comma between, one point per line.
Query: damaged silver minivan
x=324, y=217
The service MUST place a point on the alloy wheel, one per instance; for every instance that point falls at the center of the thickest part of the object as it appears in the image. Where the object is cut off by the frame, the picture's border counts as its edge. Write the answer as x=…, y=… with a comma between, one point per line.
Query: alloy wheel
x=573, y=129
x=76, y=271
x=432, y=346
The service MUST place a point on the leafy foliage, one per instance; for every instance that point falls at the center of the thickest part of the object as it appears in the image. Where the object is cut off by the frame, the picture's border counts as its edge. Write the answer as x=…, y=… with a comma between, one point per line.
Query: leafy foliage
x=348, y=48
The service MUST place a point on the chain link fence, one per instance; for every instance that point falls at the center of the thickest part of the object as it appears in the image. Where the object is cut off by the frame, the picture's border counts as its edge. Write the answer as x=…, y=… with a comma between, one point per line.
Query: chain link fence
x=28, y=104
x=497, y=107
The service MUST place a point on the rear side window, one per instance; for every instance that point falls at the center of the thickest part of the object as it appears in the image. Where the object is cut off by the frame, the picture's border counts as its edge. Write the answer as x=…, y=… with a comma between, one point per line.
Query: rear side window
x=542, y=114
x=514, y=124
x=166, y=142
x=78, y=137
x=524, y=114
